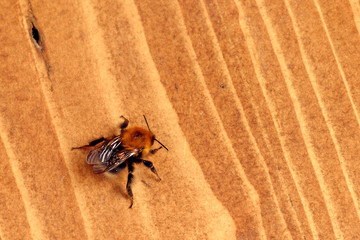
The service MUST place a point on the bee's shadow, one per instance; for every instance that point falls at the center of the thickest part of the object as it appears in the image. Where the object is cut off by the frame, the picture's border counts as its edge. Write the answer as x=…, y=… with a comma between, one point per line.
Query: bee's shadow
x=120, y=190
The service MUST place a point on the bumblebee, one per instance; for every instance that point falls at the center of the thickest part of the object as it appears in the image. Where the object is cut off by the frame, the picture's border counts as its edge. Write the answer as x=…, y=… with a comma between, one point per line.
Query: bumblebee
x=115, y=153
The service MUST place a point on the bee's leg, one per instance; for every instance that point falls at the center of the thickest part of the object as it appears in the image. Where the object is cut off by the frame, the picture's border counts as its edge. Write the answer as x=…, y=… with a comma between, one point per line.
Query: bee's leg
x=124, y=124
x=153, y=151
x=91, y=144
x=150, y=165
x=129, y=181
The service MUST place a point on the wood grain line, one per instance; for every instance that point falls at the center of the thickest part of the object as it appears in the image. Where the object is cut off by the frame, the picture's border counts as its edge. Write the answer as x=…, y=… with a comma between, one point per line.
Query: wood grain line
x=252, y=49
x=343, y=76
x=355, y=5
x=229, y=81
x=42, y=69
x=198, y=72
x=36, y=227
x=106, y=80
x=288, y=76
x=12, y=212
x=349, y=181
x=235, y=97
x=323, y=182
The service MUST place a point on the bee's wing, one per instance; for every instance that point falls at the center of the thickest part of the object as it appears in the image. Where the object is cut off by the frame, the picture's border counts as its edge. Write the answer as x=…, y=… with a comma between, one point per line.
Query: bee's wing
x=121, y=157
x=101, y=155
x=109, y=149
x=94, y=155
x=94, y=159
x=99, y=168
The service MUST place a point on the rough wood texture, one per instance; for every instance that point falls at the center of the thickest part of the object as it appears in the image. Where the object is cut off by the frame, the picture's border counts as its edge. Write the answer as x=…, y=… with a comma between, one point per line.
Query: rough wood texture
x=258, y=102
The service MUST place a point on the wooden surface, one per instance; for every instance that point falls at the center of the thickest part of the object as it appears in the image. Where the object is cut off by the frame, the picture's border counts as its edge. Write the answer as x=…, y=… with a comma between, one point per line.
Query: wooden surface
x=258, y=102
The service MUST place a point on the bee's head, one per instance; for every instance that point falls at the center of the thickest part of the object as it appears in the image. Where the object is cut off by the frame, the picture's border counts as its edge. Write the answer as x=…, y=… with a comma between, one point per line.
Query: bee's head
x=137, y=137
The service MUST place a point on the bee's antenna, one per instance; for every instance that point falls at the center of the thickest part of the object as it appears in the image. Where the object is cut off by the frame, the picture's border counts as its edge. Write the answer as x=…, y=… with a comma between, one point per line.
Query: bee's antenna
x=161, y=144
x=155, y=138
x=147, y=123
